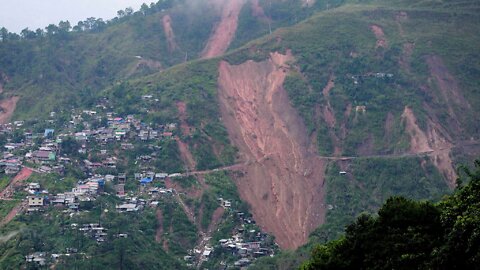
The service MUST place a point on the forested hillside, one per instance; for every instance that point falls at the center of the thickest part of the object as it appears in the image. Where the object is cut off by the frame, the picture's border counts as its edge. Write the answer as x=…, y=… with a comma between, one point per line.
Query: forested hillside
x=409, y=234
x=277, y=122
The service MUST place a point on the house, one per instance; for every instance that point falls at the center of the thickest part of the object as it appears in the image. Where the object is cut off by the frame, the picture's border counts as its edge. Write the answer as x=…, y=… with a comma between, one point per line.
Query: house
x=127, y=207
x=242, y=262
x=143, y=135
x=48, y=133
x=161, y=176
x=35, y=201
x=361, y=109
x=120, y=190
x=33, y=188
x=146, y=180
x=37, y=257
x=227, y=204
x=42, y=156
x=122, y=177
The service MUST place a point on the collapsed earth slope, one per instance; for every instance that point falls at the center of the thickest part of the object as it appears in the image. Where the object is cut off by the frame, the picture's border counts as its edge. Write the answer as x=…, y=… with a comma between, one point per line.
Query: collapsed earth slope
x=283, y=178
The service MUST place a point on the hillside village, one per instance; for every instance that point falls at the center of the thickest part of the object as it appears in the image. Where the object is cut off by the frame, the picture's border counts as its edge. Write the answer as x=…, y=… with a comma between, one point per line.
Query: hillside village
x=89, y=144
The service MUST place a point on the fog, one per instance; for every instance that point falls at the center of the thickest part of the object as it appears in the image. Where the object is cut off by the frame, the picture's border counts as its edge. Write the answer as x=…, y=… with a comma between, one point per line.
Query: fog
x=16, y=15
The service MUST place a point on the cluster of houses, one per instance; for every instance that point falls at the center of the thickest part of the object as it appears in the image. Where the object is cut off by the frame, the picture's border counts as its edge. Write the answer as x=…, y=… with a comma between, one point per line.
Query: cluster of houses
x=85, y=190
x=245, y=244
x=93, y=230
x=43, y=150
x=379, y=75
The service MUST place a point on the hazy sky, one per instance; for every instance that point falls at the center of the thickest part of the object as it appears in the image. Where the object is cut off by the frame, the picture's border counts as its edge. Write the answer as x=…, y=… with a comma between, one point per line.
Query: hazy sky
x=16, y=15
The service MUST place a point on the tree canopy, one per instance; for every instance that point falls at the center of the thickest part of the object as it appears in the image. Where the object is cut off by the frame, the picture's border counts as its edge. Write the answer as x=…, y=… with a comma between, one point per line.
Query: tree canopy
x=408, y=234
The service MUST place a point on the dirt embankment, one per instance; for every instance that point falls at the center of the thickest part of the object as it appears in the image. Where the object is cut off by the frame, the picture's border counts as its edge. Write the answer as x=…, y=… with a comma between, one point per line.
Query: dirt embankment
x=23, y=175
x=169, y=34
x=449, y=89
x=225, y=30
x=330, y=119
x=7, y=107
x=434, y=140
x=283, y=180
x=185, y=152
x=380, y=35
x=257, y=10
x=182, y=114
x=406, y=56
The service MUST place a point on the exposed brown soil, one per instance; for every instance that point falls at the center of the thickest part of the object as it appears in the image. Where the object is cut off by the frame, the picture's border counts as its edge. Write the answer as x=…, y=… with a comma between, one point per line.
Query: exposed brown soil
x=7, y=107
x=329, y=116
x=257, y=10
x=224, y=31
x=13, y=213
x=389, y=124
x=381, y=39
x=418, y=139
x=159, y=232
x=447, y=85
x=406, y=56
x=186, y=155
x=182, y=114
x=167, y=28
x=283, y=180
x=401, y=17
x=367, y=147
x=216, y=218
x=21, y=176
x=434, y=140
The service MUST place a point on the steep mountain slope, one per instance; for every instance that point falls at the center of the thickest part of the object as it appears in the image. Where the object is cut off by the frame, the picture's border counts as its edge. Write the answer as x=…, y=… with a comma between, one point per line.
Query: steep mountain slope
x=67, y=67
x=314, y=123
x=283, y=178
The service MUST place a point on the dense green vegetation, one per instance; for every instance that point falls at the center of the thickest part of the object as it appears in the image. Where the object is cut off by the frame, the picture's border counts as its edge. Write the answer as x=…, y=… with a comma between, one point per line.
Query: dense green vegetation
x=126, y=58
x=369, y=182
x=410, y=234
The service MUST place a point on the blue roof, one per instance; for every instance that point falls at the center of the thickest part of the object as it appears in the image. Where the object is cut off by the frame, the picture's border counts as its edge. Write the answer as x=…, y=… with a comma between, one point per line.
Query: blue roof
x=48, y=131
x=146, y=180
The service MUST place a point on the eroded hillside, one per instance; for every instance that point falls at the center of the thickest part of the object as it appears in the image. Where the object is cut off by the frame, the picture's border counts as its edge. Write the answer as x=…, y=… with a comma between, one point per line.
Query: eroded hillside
x=283, y=178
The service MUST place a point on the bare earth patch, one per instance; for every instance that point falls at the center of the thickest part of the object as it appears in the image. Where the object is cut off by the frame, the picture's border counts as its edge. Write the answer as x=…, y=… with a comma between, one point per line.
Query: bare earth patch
x=23, y=175
x=224, y=31
x=447, y=85
x=167, y=28
x=380, y=35
x=283, y=179
x=7, y=107
x=329, y=116
x=257, y=10
x=434, y=141
x=406, y=56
